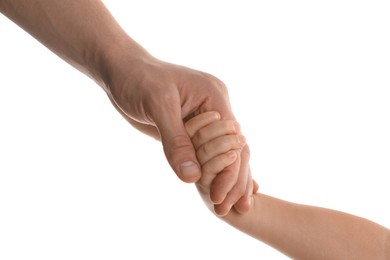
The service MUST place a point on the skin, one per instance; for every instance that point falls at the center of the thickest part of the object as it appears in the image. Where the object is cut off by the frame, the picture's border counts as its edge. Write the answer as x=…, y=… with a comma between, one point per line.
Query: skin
x=296, y=230
x=154, y=96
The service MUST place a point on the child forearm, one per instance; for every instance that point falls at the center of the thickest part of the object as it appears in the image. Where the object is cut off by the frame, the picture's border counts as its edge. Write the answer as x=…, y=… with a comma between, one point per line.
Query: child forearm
x=307, y=232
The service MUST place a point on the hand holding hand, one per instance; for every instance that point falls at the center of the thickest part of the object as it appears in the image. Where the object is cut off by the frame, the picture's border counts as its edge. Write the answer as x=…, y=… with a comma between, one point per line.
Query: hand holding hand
x=157, y=97
x=154, y=96
x=216, y=143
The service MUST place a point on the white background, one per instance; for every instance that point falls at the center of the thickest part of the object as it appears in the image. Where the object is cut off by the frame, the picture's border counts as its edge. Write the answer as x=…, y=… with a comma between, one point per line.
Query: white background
x=309, y=82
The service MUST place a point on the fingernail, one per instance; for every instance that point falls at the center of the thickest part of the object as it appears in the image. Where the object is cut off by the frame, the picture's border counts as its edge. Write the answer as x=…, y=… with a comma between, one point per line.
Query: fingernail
x=189, y=170
x=232, y=155
x=216, y=115
x=242, y=139
x=237, y=127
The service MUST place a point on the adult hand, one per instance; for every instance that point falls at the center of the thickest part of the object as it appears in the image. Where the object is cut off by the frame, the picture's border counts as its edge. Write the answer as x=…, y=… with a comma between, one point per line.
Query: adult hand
x=157, y=97
x=154, y=96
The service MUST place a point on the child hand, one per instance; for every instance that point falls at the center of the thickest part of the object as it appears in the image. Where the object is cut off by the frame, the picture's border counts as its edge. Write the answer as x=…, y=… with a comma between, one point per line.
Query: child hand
x=218, y=144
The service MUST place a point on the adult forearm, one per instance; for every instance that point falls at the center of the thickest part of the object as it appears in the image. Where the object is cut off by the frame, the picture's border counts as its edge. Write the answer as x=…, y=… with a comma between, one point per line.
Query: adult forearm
x=83, y=33
x=307, y=232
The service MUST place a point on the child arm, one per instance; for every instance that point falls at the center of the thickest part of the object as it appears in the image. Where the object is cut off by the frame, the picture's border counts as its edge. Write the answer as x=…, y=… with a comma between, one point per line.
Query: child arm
x=309, y=232
x=298, y=231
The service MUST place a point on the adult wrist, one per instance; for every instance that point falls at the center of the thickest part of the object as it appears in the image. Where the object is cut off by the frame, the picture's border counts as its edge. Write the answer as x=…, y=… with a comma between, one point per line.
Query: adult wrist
x=110, y=62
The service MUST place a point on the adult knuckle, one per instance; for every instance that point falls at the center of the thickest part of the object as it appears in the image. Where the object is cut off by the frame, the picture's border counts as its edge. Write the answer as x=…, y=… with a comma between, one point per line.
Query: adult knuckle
x=176, y=144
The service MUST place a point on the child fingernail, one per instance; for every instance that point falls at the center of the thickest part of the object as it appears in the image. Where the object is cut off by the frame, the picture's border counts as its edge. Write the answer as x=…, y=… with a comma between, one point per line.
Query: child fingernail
x=236, y=126
x=232, y=155
x=216, y=115
x=242, y=139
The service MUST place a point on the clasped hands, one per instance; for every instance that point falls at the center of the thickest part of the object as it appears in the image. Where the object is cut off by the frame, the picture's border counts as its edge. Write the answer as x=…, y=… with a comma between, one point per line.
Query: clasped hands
x=218, y=144
x=157, y=98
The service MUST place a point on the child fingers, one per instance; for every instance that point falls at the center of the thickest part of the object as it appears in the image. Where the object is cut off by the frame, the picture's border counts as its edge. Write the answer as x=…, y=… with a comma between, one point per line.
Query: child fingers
x=197, y=122
x=255, y=187
x=237, y=196
x=214, y=130
x=214, y=166
x=218, y=146
x=225, y=181
x=244, y=204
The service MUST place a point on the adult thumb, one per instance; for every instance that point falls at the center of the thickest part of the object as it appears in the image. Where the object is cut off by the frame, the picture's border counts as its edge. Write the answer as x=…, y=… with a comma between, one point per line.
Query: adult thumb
x=178, y=147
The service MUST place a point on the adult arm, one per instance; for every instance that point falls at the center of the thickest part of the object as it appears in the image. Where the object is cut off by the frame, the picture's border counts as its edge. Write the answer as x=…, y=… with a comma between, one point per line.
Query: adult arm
x=152, y=95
